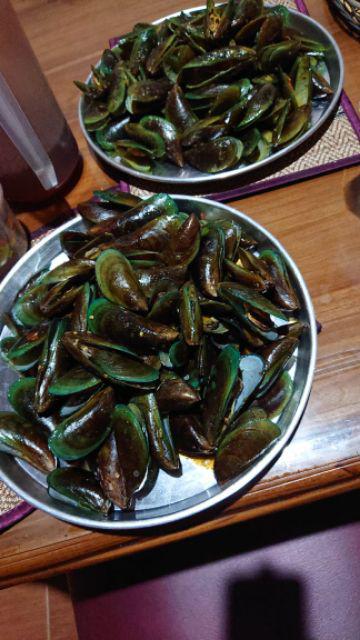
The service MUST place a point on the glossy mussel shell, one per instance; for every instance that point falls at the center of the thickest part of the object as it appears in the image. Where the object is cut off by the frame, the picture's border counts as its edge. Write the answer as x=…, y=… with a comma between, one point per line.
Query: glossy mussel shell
x=26, y=441
x=140, y=334
x=79, y=488
x=124, y=458
x=112, y=362
x=85, y=430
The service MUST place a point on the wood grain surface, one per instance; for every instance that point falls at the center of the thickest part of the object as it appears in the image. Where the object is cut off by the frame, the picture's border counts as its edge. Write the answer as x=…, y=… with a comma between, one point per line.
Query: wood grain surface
x=317, y=220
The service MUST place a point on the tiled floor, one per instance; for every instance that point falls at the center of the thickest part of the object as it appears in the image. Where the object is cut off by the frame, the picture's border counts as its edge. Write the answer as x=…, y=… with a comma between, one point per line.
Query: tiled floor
x=37, y=611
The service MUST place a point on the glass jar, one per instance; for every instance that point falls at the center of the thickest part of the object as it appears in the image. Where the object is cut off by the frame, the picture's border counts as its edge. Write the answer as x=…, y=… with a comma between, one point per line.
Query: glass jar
x=13, y=237
x=22, y=73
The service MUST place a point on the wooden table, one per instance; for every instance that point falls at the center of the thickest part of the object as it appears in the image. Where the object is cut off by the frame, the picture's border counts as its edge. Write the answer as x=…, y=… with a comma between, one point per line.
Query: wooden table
x=318, y=222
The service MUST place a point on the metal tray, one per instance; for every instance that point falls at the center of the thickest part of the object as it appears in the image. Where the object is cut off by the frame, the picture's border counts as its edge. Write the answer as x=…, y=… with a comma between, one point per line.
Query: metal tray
x=171, y=499
x=168, y=177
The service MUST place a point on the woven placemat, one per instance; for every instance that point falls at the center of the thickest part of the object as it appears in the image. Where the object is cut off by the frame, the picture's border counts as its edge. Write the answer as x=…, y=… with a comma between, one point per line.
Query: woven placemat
x=339, y=147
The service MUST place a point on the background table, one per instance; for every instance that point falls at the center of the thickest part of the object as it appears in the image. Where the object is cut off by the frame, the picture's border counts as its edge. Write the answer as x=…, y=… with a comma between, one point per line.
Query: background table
x=317, y=221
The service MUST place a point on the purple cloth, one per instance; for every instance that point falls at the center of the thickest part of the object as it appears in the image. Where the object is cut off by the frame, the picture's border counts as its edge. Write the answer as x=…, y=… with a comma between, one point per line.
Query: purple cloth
x=306, y=587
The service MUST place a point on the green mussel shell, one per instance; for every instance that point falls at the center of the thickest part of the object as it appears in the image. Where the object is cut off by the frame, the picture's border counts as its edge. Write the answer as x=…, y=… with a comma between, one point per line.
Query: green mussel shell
x=188, y=435
x=210, y=260
x=161, y=443
x=242, y=446
x=216, y=155
x=110, y=361
x=219, y=393
x=174, y=394
x=109, y=320
x=190, y=314
x=26, y=441
x=53, y=363
x=84, y=431
x=75, y=380
x=21, y=396
x=123, y=459
x=118, y=282
x=78, y=488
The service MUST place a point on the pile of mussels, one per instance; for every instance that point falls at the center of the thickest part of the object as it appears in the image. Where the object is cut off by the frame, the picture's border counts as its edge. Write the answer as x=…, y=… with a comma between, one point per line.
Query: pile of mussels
x=213, y=88
x=164, y=332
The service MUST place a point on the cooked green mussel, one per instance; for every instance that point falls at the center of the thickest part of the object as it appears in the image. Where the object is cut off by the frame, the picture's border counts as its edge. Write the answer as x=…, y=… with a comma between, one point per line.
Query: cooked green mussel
x=25, y=440
x=79, y=488
x=124, y=458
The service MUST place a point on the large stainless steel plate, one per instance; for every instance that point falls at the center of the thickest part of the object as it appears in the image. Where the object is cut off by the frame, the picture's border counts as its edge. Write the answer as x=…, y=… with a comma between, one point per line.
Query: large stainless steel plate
x=171, y=499
x=168, y=177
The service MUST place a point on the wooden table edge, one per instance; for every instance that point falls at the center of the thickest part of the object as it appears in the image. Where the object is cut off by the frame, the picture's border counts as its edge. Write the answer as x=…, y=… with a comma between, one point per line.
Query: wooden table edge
x=48, y=561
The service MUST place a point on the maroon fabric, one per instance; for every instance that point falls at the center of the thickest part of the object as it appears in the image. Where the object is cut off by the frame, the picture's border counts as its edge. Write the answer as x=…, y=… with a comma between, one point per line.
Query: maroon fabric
x=306, y=587
x=14, y=515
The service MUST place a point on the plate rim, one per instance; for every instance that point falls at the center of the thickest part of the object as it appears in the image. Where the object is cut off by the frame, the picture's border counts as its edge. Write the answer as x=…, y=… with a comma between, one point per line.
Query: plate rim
x=223, y=176
x=235, y=488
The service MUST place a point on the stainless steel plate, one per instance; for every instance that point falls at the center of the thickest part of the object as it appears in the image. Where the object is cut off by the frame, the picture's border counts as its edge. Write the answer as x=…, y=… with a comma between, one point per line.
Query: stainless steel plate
x=171, y=499
x=168, y=177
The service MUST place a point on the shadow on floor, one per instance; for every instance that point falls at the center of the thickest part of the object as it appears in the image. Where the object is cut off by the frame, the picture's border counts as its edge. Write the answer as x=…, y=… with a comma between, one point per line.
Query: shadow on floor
x=269, y=605
x=214, y=546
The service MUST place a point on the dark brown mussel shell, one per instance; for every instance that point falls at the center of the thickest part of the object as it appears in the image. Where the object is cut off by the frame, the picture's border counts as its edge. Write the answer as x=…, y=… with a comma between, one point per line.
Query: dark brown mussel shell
x=81, y=306
x=161, y=443
x=203, y=131
x=187, y=431
x=118, y=282
x=278, y=396
x=53, y=362
x=242, y=446
x=84, y=431
x=123, y=459
x=276, y=355
x=72, y=241
x=75, y=271
x=216, y=155
x=146, y=94
x=26, y=310
x=183, y=244
x=178, y=109
x=59, y=299
x=162, y=278
x=169, y=134
x=219, y=392
x=234, y=293
x=98, y=212
x=26, y=441
x=259, y=105
x=110, y=361
x=23, y=352
x=232, y=234
x=147, y=210
x=210, y=260
x=109, y=320
x=224, y=63
x=246, y=277
x=190, y=314
x=282, y=291
x=151, y=236
x=174, y=394
x=21, y=396
x=164, y=308
x=79, y=488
